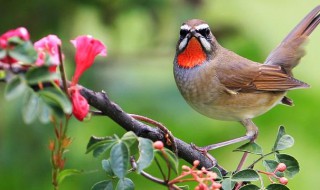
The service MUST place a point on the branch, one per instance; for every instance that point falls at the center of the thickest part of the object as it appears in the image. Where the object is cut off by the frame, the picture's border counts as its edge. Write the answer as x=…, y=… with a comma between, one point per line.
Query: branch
x=101, y=101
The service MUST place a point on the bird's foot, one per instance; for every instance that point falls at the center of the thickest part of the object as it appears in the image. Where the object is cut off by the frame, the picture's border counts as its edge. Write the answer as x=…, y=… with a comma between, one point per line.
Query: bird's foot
x=204, y=151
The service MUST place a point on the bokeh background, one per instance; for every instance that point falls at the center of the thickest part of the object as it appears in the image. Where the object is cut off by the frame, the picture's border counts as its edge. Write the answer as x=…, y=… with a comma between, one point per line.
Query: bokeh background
x=137, y=74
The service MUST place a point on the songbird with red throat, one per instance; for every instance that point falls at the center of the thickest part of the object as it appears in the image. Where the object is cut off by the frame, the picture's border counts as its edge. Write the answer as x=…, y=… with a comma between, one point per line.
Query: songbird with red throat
x=222, y=85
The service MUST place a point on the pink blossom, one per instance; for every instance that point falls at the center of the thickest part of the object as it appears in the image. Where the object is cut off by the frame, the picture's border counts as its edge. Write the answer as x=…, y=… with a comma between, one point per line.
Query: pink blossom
x=87, y=48
x=80, y=106
x=48, y=46
x=21, y=33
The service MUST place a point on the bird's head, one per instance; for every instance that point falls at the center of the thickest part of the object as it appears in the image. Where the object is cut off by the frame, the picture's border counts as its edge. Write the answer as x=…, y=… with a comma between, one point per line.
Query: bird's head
x=195, y=45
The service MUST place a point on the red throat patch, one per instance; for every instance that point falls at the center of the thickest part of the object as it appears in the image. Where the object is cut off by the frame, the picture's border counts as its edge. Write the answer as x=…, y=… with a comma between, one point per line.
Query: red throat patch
x=192, y=55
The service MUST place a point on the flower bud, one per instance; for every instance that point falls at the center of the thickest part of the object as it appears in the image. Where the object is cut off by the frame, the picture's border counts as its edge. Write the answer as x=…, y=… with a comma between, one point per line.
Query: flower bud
x=158, y=145
x=281, y=167
x=283, y=180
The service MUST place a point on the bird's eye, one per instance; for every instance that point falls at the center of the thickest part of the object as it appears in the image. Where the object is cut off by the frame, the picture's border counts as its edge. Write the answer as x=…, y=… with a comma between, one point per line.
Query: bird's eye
x=183, y=33
x=205, y=32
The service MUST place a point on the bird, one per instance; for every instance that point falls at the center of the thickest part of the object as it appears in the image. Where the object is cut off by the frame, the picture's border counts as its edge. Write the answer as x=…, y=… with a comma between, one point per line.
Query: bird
x=223, y=85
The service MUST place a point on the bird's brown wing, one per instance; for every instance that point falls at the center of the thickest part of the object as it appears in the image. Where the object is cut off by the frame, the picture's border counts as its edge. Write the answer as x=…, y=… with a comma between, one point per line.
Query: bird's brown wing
x=245, y=77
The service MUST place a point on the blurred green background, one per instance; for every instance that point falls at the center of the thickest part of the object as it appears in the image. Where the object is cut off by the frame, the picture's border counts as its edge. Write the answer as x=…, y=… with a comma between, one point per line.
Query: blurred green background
x=137, y=74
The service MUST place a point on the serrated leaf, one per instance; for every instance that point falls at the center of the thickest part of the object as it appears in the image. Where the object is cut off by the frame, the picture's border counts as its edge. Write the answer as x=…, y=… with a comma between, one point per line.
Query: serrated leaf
x=119, y=159
x=100, y=144
x=103, y=185
x=250, y=187
x=106, y=165
x=129, y=138
x=14, y=88
x=291, y=163
x=277, y=187
x=66, y=173
x=218, y=172
x=281, y=132
x=40, y=74
x=146, y=154
x=246, y=175
x=270, y=165
x=30, y=107
x=227, y=184
x=125, y=184
x=285, y=141
x=250, y=147
x=56, y=96
x=23, y=51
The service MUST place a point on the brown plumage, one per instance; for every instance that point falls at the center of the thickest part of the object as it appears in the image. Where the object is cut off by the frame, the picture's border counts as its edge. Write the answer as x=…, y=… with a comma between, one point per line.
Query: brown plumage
x=223, y=85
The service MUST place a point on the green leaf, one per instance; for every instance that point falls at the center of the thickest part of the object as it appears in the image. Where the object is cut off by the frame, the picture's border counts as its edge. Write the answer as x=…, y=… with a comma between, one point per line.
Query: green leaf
x=284, y=142
x=102, y=148
x=277, y=187
x=40, y=74
x=99, y=145
x=55, y=96
x=146, y=154
x=246, y=175
x=218, y=172
x=281, y=132
x=184, y=187
x=23, y=51
x=129, y=138
x=119, y=159
x=291, y=163
x=170, y=157
x=227, y=184
x=14, y=88
x=67, y=172
x=106, y=165
x=2, y=53
x=250, y=187
x=103, y=185
x=30, y=107
x=270, y=165
x=44, y=112
x=125, y=184
x=250, y=147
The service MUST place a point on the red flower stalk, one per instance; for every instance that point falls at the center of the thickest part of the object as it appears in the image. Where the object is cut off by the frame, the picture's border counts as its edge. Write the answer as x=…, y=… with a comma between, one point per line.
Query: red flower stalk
x=87, y=49
x=48, y=46
x=21, y=33
x=80, y=106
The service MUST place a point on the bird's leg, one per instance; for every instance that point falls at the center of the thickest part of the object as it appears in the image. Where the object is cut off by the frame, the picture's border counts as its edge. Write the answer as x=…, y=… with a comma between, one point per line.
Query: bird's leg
x=251, y=134
x=252, y=129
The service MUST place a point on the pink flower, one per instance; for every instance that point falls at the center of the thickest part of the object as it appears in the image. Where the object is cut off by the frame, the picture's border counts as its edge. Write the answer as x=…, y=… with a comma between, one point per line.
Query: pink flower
x=48, y=46
x=80, y=106
x=21, y=33
x=87, y=48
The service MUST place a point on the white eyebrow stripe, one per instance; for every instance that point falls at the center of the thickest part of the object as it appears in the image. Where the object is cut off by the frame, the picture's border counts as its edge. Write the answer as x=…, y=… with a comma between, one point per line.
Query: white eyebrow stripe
x=202, y=26
x=185, y=27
